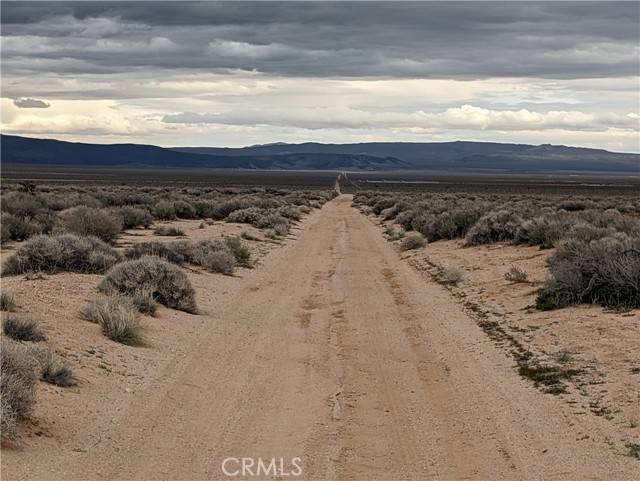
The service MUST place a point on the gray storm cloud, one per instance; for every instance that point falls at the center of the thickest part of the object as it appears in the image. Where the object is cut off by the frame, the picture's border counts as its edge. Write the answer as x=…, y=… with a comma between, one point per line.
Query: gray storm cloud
x=414, y=39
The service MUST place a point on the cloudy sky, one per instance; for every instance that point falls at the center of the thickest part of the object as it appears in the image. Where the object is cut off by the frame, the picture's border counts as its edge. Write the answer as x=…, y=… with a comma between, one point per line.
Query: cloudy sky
x=239, y=73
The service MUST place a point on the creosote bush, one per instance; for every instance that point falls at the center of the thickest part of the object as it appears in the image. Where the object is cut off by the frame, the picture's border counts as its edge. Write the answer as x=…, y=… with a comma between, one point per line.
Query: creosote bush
x=164, y=281
x=117, y=315
x=62, y=253
x=413, y=241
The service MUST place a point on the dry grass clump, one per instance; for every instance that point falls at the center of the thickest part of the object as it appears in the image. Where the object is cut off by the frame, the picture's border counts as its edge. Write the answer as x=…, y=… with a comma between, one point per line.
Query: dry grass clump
x=117, y=315
x=23, y=329
x=450, y=275
x=17, y=385
x=169, y=231
x=61, y=253
x=164, y=281
x=87, y=221
x=515, y=274
x=604, y=271
x=413, y=241
x=7, y=301
x=52, y=368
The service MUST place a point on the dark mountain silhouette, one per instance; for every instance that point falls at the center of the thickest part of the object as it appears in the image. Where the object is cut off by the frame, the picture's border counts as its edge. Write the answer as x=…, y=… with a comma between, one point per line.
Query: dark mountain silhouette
x=450, y=156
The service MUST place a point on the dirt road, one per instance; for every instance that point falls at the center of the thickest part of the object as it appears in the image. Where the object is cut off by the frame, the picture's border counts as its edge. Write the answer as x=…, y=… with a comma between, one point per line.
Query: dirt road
x=336, y=352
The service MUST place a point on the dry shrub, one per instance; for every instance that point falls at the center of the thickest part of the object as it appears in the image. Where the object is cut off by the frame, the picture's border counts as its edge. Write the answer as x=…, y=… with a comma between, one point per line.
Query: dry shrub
x=17, y=385
x=134, y=217
x=52, y=368
x=67, y=253
x=280, y=225
x=239, y=251
x=165, y=250
x=23, y=329
x=117, y=315
x=184, y=210
x=164, y=281
x=170, y=231
x=515, y=274
x=497, y=226
x=86, y=221
x=450, y=275
x=604, y=271
x=7, y=301
x=413, y=241
x=164, y=210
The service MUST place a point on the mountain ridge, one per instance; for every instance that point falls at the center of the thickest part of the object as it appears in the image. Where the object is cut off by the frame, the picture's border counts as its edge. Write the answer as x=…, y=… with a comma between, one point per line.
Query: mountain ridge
x=447, y=156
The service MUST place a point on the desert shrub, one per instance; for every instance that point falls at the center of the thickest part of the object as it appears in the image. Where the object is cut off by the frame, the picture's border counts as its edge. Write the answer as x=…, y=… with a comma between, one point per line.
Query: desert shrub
x=169, y=231
x=604, y=271
x=240, y=252
x=204, y=208
x=249, y=236
x=22, y=205
x=164, y=281
x=544, y=230
x=8, y=419
x=223, y=209
x=7, y=301
x=164, y=210
x=393, y=234
x=184, y=210
x=143, y=301
x=87, y=221
x=497, y=226
x=134, y=217
x=17, y=384
x=165, y=250
x=117, y=316
x=449, y=275
x=22, y=329
x=67, y=252
x=279, y=224
x=515, y=274
x=250, y=215
x=586, y=232
x=51, y=368
x=405, y=219
x=414, y=241
x=18, y=228
x=214, y=256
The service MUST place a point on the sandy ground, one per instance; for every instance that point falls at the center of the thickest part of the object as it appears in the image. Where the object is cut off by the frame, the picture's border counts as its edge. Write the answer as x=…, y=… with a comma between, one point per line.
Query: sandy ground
x=335, y=351
x=602, y=344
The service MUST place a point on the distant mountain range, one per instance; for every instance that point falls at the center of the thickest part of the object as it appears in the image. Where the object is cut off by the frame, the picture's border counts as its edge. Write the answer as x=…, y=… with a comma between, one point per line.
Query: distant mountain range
x=448, y=156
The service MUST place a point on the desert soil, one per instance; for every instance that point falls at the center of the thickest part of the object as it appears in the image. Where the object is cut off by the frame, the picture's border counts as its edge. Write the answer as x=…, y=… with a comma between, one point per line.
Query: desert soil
x=334, y=350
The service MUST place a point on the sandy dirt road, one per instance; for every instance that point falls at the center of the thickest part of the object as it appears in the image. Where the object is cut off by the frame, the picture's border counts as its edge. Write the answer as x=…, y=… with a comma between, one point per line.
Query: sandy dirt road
x=335, y=351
